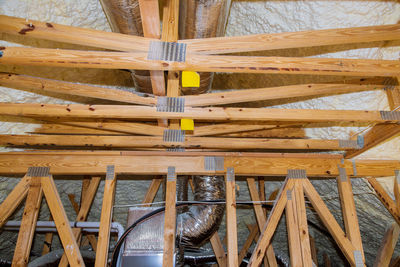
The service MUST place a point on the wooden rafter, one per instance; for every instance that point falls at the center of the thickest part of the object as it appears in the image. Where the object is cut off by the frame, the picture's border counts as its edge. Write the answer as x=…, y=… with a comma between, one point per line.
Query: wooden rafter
x=387, y=247
x=231, y=224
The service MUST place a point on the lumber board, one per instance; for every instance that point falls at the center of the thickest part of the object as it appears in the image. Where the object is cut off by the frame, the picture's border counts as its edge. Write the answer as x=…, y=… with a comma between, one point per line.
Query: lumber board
x=67, y=163
x=329, y=221
x=260, y=42
x=48, y=240
x=384, y=197
x=313, y=250
x=218, y=249
x=396, y=190
x=261, y=219
x=50, y=128
x=28, y=223
x=14, y=198
x=86, y=203
x=201, y=63
x=226, y=128
x=253, y=231
x=152, y=191
x=274, y=93
x=213, y=114
x=292, y=225
x=231, y=221
x=170, y=219
x=219, y=45
x=61, y=221
x=301, y=215
x=269, y=227
x=349, y=212
x=158, y=142
x=105, y=219
x=149, y=13
x=72, y=35
x=387, y=247
x=42, y=85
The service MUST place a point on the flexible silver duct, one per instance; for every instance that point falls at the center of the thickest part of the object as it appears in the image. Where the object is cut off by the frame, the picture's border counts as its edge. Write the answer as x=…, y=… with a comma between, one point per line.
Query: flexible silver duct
x=197, y=225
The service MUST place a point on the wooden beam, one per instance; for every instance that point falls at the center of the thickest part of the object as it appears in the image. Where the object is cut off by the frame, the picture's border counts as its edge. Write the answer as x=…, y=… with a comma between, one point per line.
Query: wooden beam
x=13, y=199
x=28, y=224
x=313, y=250
x=48, y=240
x=301, y=214
x=201, y=63
x=190, y=163
x=292, y=225
x=86, y=204
x=384, y=197
x=261, y=219
x=219, y=45
x=259, y=42
x=274, y=93
x=61, y=221
x=170, y=219
x=231, y=224
x=42, y=86
x=149, y=13
x=269, y=228
x=218, y=248
x=72, y=35
x=396, y=189
x=158, y=142
x=214, y=114
x=327, y=260
x=329, y=221
x=152, y=191
x=106, y=217
x=225, y=128
x=387, y=247
x=349, y=211
x=253, y=231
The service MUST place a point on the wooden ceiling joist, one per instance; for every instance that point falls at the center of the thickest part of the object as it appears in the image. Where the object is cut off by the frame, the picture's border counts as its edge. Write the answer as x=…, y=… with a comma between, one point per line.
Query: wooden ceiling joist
x=220, y=45
x=206, y=114
x=156, y=163
x=57, y=141
x=202, y=63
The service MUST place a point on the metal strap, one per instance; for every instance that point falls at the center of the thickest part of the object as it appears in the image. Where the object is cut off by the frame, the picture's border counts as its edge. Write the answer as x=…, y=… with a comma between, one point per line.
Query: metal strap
x=110, y=172
x=212, y=163
x=390, y=115
x=170, y=104
x=230, y=174
x=296, y=173
x=342, y=174
x=176, y=149
x=289, y=194
x=348, y=144
x=360, y=141
x=171, y=176
x=354, y=167
x=167, y=51
x=38, y=171
x=358, y=258
x=397, y=176
x=174, y=136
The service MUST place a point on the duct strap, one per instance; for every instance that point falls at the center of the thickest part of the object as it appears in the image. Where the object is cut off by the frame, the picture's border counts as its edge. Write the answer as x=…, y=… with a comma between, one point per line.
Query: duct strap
x=38, y=171
x=167, y=51
x=213, y=163
x=297, y=173
x=170, y=104
x=358, y=258
x=175, y=136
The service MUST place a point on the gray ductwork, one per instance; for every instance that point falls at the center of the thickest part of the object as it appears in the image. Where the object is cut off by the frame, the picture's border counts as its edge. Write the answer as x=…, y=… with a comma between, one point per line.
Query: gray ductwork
x=199, y=19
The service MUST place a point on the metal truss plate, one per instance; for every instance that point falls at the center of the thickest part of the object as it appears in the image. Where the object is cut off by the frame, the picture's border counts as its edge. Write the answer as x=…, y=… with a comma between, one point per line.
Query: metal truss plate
x=167, y=51
x=390, y=115
x=38, y=171
x=296, y=173
x=349, y=144
x=397, y=176
x=289, y=194
x=212, y=163
x=176, y=149
x=230, y=174
x=358, y=258
x=110, y=172
x=171, y=175
x=170, y=104
x=174, y=136
x=342, y=174
x=354, y=167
